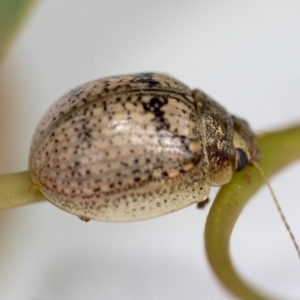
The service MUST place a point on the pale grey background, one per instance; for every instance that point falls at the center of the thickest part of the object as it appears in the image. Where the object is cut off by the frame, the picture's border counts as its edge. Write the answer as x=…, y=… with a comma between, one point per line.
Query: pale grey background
x=246, y=54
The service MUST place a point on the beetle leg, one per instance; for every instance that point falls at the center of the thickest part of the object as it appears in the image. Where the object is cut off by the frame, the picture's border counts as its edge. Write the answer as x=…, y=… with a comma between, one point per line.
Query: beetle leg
x=203, y=203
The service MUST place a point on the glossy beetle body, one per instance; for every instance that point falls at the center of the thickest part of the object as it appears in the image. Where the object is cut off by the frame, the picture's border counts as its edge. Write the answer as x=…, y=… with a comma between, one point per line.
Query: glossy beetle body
x=134, y=147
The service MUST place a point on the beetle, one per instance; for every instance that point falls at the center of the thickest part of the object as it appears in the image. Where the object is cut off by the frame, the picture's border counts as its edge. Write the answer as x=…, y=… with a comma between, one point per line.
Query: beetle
x=136, y=146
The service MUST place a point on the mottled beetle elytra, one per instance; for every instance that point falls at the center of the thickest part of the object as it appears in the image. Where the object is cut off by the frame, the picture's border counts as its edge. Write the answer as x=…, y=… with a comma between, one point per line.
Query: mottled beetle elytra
x=136, y=146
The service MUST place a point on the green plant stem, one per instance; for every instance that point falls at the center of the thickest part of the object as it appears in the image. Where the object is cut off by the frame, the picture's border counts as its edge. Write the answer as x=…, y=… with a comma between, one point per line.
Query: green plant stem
x=279, y=149
x=17, y=189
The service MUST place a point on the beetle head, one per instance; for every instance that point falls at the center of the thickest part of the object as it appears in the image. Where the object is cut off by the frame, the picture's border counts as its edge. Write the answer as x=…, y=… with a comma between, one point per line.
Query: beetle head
x=246, y=150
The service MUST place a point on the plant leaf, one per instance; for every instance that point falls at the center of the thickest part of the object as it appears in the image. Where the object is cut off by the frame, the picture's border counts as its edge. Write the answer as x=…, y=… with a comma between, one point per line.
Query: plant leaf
x=232, y=198
x=12, y=12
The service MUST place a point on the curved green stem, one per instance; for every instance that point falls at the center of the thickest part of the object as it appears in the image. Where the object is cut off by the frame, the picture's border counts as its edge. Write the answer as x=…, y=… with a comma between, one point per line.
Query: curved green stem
x=17, y=189
x=279, y=149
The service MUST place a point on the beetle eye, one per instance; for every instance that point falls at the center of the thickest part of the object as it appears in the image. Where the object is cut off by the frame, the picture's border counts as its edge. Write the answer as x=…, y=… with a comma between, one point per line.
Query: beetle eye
x=242, y=159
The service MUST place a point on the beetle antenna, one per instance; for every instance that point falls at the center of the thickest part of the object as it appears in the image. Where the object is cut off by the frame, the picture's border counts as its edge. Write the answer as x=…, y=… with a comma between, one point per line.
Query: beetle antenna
x=287, y=226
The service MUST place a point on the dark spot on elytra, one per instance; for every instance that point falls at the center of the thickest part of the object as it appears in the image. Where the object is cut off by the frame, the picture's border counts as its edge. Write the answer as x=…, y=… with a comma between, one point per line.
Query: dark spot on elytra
x=75, y=93
x=156, y=103
x=117, y=87
x=155, y=106
x=104, y=106
x=145, y=78
x=87, y=134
